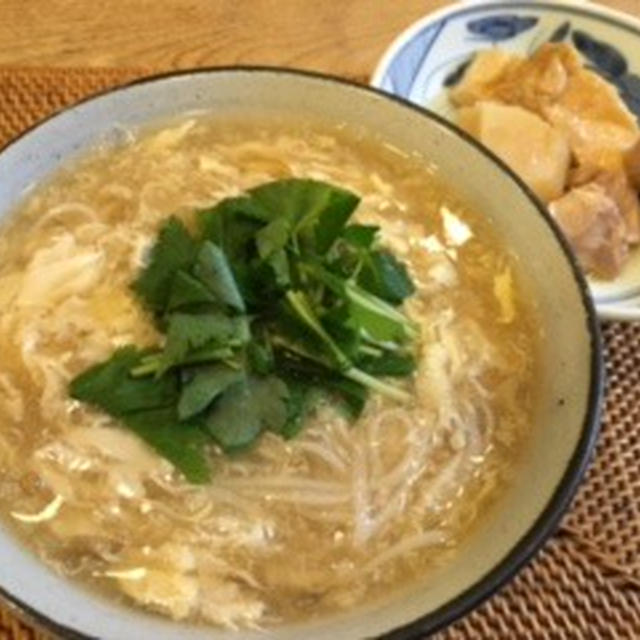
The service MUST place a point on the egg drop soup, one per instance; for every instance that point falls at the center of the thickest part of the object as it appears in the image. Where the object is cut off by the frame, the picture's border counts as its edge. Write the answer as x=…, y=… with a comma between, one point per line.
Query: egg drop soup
x=343, y=514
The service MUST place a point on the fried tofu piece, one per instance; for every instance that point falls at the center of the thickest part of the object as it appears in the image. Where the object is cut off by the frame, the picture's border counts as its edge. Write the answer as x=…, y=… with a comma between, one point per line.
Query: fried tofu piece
x=595, y=228
x=477, y=83
x=531, y=147
x=632, y=165
x=594, y=118
x=538, y=81
x=586, y=121
x=555, y=84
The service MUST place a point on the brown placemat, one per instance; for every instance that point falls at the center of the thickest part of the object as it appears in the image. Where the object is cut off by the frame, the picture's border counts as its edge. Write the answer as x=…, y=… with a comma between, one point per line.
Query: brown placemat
x=585, y=583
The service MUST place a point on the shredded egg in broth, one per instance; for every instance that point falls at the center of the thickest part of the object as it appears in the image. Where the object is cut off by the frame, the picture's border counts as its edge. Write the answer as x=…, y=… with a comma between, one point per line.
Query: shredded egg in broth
x=334, y=518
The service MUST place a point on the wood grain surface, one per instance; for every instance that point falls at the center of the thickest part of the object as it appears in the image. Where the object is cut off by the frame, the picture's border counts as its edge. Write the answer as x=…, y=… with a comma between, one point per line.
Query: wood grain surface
x=339, y=36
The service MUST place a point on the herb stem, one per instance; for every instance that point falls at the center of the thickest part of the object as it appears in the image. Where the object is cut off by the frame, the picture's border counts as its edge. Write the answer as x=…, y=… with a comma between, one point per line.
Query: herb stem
x=148, y=367
x=376, y=385
x=301, y=306
x=371, y=350
x=358, y=296
x=376, y=305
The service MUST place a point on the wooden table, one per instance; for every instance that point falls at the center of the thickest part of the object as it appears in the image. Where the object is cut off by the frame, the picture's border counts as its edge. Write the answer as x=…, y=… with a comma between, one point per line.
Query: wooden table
x=343, y=37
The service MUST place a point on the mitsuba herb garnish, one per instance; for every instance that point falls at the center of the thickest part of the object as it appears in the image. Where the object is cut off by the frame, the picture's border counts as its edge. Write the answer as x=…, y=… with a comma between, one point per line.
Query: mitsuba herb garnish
x=275, y=300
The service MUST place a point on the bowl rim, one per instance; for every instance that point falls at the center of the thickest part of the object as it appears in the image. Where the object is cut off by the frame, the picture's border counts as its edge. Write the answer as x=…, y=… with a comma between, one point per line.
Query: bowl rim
x=549, y=518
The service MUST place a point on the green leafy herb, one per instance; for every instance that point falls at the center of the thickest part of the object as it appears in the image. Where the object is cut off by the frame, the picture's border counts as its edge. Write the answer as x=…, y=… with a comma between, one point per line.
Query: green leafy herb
x=180, y=442
x=260, y=355
x=213, y=270
x=147, y=407
x=299, y=398
x=247, y=408
x=366, y=311
x=203, y=386
x=305, y=370
x=361, y=236
x=188, y=291
x=111, y=387
x=304, y=310
x=384, y=276
x=309, y=210
x=276, y=301
x=388, y=364
x=175, y=250
x=189, y=333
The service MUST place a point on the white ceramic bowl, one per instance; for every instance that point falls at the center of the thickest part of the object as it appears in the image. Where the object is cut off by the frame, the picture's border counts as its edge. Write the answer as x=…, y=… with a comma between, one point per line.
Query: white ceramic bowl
x=567, y=405
x=431, y=54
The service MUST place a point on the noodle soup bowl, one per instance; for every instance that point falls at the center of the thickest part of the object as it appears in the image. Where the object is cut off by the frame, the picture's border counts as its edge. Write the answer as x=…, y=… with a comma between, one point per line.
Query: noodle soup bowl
x=567, y=399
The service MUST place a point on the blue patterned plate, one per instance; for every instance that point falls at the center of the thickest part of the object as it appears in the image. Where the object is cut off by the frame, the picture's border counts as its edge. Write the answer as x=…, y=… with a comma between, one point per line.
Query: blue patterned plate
x=432, y=55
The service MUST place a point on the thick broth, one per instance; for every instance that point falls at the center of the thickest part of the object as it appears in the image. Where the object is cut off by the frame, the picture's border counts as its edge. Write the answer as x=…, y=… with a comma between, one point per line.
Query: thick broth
x=331, y=519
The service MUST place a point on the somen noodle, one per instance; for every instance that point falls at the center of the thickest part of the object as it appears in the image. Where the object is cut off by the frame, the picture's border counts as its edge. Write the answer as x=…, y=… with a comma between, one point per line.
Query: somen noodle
x=340, y=515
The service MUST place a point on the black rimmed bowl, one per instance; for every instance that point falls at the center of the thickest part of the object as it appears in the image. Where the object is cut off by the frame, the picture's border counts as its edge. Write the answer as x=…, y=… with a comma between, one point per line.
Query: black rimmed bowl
x=570, y=384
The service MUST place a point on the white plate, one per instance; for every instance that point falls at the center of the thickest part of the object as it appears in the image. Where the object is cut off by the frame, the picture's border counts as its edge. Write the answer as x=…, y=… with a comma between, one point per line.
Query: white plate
x=427, y=57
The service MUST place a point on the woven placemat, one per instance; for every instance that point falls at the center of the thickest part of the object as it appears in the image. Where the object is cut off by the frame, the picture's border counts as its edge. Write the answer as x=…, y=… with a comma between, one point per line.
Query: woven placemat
x=585, y=583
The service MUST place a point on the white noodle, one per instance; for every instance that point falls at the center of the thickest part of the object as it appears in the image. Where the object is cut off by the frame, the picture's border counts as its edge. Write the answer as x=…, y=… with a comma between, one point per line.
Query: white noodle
x=65, y=209
x=49, y=512
x=340, y=494
x=407, y=545
x=329, y=457
x=361, y=498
